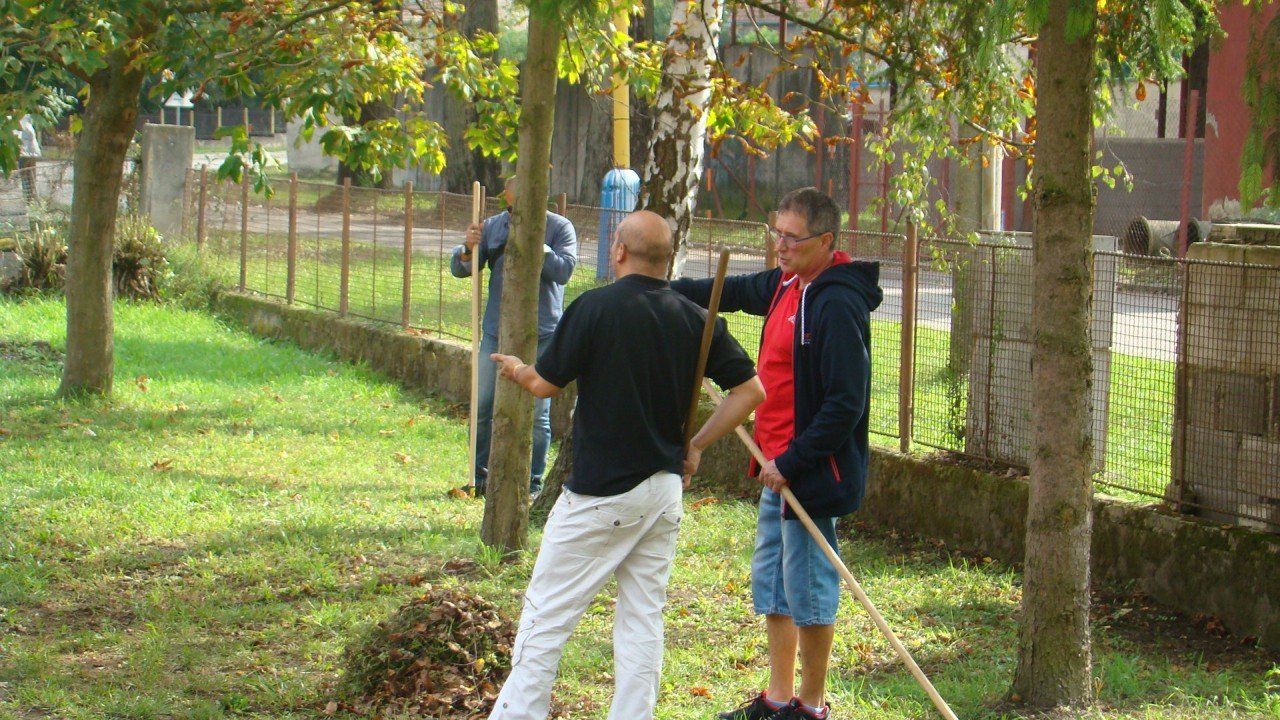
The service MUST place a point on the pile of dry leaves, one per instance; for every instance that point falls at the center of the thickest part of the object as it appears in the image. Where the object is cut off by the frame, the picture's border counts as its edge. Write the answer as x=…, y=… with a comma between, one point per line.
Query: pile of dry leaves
x=443, y=654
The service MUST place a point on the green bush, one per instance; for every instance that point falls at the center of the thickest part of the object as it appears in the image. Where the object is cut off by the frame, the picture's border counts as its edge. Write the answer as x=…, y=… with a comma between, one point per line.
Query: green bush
x=42, y=256
x=138, y=261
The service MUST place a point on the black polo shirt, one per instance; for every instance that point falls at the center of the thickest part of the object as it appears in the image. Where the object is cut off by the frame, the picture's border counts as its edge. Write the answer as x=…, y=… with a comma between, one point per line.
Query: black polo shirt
x=633, y=347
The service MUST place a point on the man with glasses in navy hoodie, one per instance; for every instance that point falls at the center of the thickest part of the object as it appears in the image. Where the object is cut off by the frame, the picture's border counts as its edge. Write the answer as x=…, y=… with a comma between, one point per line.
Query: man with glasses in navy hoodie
x=815, y=363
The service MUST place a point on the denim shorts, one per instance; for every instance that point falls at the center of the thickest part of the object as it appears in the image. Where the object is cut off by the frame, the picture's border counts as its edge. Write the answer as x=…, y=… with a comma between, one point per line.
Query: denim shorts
x=790, y=575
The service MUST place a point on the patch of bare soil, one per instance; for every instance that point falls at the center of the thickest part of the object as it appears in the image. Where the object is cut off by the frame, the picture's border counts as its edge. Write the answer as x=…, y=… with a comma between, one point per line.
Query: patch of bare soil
x=38, y=352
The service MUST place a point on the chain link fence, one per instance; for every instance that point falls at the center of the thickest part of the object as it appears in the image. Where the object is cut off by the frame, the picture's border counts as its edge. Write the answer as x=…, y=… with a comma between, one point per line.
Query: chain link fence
x=951, y=343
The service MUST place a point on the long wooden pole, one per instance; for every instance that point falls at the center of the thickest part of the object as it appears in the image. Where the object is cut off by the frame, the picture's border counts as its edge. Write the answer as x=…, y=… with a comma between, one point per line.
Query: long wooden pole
x=827, y=550
x=477, y=207
x=708, y=332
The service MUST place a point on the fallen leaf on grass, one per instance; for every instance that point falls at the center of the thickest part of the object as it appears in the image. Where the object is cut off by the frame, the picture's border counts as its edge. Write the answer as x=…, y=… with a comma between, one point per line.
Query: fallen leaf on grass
x=386, y=432
x=143, y=382
x=699, y=691
x=402, y=458
x=86, y=421
x=330, y=708
x=89, y=432
x=458, y=493
x=698, y=504
x=4, y=431
x=162, y=464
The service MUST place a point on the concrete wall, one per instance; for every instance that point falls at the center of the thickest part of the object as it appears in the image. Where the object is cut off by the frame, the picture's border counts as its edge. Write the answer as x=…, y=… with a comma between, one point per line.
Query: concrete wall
x=167, y=151
x=1185, y=563
x=1227, y=416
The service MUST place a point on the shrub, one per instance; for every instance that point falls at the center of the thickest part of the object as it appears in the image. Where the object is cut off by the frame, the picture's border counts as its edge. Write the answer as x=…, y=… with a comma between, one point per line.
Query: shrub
x=42, y=258
x=138, y=262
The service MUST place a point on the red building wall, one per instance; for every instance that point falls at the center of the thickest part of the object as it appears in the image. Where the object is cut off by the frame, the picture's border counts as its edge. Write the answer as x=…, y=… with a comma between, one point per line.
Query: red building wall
x=1227, y=116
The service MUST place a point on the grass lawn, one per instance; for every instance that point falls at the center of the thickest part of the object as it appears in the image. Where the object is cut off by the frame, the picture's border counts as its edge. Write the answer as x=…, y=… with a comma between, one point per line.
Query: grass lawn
x=205, y=545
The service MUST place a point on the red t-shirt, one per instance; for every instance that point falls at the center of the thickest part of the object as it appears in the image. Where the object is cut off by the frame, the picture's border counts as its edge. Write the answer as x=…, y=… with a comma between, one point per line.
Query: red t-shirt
x=776, y=416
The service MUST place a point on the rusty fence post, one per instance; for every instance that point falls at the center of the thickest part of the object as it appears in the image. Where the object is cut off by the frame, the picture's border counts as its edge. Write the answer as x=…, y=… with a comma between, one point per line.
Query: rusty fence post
x=906, y=370
x=406, y=285
x=291, y=257
x=204, y=193
x=562, y=204
x=244, y=229
x=344, y=277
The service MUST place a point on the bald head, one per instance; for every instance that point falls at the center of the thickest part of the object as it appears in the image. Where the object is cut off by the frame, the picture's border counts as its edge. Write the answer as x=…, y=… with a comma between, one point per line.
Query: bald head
x=647, y=239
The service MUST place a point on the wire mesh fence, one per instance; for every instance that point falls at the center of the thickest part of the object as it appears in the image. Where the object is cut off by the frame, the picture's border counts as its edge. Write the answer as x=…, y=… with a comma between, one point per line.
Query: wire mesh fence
x=1186, y=353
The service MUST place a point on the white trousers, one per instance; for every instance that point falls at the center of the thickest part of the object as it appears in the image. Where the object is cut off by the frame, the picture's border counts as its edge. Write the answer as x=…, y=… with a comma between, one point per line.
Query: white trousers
x=588, y=539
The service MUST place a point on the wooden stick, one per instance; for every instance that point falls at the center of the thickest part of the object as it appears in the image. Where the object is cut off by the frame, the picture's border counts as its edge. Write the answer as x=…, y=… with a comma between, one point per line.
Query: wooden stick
x=827, y=550
x=477, y=207
x=708, y=332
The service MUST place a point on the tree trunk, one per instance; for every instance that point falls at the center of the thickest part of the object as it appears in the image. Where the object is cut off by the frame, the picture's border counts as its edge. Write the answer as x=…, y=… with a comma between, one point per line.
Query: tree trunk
x=1054, y=646
x=462, y=164
x=110, y=114
x=641, y=110
x=506, y=515
x=376, y=109
x=670, y=183
x=551, y=484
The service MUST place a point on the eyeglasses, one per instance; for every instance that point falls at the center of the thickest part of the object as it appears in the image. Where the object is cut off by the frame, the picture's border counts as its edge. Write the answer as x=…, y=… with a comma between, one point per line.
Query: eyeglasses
x=778, y=236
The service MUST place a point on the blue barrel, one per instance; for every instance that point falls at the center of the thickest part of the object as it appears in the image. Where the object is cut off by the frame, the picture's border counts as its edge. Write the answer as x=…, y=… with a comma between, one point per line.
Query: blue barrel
x=618, y=197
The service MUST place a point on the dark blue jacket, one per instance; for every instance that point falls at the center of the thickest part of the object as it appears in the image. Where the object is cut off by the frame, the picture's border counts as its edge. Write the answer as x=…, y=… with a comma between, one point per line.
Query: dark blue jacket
x=826, y=464
x=560, y=255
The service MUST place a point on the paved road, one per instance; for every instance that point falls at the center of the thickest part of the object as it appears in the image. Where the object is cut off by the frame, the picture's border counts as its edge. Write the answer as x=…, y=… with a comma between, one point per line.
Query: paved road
x=1144, y=323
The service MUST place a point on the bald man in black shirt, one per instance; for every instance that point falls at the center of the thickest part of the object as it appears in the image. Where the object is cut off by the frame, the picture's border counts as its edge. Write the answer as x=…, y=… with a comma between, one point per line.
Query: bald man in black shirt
x=632, y=347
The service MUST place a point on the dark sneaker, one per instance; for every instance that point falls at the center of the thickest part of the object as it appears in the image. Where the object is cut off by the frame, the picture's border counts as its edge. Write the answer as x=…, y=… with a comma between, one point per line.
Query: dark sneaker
x=756, y=708
x=795, y=710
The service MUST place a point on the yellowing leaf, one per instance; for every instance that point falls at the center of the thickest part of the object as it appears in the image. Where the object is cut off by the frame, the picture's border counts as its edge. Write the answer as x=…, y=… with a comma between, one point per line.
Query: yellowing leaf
x=162, y=464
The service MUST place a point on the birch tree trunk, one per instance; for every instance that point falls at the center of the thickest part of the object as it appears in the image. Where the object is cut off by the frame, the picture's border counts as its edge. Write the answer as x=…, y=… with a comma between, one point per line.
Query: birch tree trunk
x=109, y=118
x=670, y=183
x=506, y=514
x=1054, y=646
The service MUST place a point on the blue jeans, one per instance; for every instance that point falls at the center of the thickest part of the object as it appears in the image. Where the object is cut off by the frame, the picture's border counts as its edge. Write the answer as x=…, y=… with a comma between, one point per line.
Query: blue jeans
x=484, y=421
x=790, y=575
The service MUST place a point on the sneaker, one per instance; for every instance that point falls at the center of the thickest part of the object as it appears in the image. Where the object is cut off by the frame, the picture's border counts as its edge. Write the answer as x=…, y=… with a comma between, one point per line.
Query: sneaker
x=756, y=708
x=795, y=710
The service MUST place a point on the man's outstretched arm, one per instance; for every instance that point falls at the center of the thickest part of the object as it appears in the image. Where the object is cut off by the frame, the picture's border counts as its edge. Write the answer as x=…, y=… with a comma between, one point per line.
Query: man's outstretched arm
x=526, y=376
x=728, y=415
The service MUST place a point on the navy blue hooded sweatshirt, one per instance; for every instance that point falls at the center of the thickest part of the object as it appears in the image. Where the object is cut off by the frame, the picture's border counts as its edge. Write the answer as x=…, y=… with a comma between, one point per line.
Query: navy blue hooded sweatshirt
x=826, y=464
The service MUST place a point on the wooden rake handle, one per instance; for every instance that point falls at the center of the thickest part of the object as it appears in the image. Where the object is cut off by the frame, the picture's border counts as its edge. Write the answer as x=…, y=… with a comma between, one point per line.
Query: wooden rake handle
x=708, y=333
x=477, y=208
x=839, y=565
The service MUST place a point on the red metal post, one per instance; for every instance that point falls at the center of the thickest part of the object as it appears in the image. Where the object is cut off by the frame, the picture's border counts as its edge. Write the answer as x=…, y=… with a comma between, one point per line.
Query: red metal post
x=906, y=371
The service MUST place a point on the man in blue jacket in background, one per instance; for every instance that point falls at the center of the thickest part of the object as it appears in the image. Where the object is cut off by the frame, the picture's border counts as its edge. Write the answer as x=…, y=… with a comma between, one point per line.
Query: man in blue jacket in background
x=815, y=363
x=486, y=243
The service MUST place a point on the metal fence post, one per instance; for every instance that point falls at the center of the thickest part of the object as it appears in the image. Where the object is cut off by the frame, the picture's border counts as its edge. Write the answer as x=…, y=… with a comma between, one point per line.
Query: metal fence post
x=906, y=371
x=406, y=286
x=770, y=250
x=562, y=204
x=188, y=181
x=291, y=271
x=204, y=193
x=344, y=278
x=1178, y=454
x=244, y=228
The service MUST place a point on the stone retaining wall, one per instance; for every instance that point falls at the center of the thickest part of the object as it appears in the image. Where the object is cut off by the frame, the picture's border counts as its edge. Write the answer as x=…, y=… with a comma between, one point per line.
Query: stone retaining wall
x=1188, y=564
